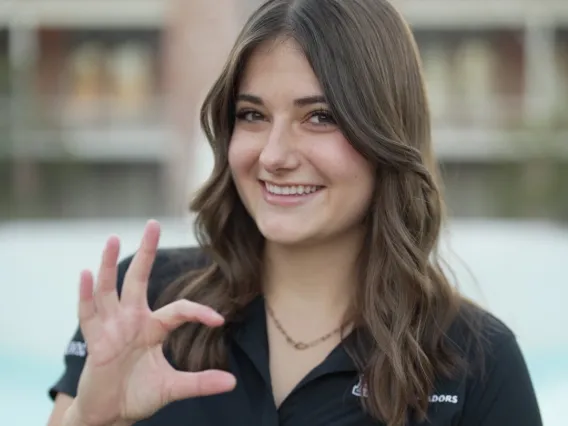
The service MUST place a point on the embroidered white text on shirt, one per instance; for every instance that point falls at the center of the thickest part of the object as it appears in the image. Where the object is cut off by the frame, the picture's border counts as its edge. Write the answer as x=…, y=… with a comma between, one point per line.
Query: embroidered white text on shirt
x=453, y=399
x=360, y=389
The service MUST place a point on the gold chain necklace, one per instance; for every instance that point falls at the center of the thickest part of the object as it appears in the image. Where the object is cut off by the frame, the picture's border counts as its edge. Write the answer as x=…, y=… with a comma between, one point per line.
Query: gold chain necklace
x=295, y=344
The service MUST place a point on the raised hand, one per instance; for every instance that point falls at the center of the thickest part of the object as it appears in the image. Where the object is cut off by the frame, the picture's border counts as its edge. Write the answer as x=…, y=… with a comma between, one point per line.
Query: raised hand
x=126, y=377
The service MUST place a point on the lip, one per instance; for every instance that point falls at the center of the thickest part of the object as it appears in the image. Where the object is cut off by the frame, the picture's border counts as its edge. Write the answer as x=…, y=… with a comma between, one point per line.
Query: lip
x=263, y=181
x=287, y=200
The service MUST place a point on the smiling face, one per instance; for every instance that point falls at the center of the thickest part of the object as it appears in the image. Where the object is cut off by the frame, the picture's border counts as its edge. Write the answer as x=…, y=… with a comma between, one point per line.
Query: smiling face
x=299, y=178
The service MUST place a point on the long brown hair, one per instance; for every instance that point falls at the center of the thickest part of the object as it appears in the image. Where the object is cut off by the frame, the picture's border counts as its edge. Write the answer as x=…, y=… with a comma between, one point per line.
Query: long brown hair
x=367, y=62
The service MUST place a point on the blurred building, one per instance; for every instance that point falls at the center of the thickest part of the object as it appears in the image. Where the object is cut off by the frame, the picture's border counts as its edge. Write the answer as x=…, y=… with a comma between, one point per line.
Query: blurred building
x=99, y=98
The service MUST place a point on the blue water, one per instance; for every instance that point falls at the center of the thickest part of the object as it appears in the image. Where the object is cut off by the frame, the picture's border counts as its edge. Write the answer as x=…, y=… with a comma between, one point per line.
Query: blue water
x=25, y=380
x=519, y=271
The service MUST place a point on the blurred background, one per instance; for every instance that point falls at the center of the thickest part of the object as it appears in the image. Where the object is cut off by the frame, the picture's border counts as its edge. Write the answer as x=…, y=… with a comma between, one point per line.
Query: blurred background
x=98, y=132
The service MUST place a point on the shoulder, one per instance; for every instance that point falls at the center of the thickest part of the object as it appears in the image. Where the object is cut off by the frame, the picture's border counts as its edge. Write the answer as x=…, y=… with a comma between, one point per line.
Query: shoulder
x=498, y=385
x=480, y=337
x=479, y=333
x=170, y=265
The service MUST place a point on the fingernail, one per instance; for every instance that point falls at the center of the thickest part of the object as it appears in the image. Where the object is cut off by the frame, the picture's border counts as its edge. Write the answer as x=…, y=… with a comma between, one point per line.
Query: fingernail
x=216, y=316
x=231, y=381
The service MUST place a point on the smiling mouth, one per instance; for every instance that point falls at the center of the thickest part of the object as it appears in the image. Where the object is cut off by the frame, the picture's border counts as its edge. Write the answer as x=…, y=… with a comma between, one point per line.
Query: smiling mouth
x=291, y=190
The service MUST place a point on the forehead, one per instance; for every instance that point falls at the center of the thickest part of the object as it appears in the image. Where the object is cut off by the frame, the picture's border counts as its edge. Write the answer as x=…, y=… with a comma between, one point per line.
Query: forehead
x=278, y=68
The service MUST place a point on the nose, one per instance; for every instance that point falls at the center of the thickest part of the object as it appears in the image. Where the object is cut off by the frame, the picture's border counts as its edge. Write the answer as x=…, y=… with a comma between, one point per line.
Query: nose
x=278, y=154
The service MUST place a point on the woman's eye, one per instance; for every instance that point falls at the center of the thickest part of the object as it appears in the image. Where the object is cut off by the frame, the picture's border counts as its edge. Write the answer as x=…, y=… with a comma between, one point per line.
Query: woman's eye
x=249, y=116
x=321, y=118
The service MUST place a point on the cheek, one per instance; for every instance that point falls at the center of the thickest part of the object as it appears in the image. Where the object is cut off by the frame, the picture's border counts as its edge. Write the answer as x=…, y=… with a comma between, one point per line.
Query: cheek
x=351, y=175
x=361, y=180
x=243, y=156
x=344, y=166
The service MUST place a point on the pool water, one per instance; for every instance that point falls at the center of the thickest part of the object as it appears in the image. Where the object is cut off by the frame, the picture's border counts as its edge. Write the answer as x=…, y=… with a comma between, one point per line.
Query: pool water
x=519, y=271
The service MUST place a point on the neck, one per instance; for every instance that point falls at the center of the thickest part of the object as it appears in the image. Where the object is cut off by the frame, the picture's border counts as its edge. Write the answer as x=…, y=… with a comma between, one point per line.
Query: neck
x=319, y=279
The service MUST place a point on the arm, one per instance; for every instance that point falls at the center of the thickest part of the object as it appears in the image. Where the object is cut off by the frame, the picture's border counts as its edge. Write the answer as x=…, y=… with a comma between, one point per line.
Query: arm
x=63, y=414
x=105, y=384
x=62, y=403
x=505, y=395
x=64, y=391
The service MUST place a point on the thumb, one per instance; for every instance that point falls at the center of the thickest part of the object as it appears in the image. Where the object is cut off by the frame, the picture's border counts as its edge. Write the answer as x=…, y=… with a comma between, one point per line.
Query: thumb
x=183, y=385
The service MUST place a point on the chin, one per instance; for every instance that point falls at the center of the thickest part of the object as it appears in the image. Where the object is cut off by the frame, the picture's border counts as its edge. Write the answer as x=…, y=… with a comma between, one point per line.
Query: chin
x=284, y=234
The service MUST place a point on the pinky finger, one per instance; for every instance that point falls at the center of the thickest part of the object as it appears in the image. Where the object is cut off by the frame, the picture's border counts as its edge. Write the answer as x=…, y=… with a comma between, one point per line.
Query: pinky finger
x=87, y=310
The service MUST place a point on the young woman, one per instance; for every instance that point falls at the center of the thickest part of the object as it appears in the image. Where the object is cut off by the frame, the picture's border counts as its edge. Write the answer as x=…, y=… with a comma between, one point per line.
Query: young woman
x=316, y=297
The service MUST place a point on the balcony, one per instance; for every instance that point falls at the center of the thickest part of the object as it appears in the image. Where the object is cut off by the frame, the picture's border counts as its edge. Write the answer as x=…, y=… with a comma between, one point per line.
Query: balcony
x=84, y=13
x=73, y=56
x=99, y=130
x=478, y=14
x=482, y=14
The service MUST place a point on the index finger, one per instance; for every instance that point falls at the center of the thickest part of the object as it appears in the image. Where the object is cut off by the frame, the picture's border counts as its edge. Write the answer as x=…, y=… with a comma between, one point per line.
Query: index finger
x=134, y=291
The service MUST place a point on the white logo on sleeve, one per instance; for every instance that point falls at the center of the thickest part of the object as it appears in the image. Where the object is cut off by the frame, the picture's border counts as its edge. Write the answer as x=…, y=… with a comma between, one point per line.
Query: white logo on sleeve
x=75, y=348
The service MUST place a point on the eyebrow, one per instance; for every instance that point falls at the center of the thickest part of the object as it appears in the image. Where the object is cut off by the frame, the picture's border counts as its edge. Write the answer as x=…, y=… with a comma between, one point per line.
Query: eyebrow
x=301, y=102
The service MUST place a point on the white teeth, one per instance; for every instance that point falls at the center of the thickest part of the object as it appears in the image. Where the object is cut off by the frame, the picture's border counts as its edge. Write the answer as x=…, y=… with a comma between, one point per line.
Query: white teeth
x=290, y=190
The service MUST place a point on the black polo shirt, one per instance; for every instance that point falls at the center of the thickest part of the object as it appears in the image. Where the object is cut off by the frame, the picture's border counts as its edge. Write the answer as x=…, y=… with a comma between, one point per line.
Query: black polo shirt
x=330, y=394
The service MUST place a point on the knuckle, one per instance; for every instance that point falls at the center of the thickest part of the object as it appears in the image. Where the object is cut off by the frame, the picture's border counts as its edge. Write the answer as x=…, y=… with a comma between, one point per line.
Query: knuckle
x=177, y=310
x=148, y=250
x=133, y=273
x=199, y=384
x=185, y=308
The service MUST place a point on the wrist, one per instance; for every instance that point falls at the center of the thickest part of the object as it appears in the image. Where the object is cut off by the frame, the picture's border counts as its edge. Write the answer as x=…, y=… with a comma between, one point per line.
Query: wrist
x=73, y=418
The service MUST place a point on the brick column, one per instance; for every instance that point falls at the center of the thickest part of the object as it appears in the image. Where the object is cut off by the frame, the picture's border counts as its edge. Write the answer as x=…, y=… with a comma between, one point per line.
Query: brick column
x=197, y=39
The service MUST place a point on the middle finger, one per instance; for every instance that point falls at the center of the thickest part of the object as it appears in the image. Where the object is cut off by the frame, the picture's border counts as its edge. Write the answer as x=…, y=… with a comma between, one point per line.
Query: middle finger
x=135, y=287
x=106, y=297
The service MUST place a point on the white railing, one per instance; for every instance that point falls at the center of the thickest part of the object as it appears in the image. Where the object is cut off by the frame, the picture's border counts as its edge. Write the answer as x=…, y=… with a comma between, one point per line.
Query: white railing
x=482, y=13
x=152, y=13
x=84, y=13
x=87, y=130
